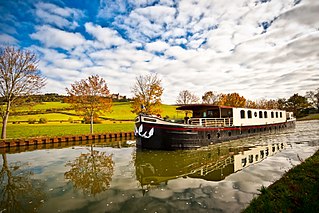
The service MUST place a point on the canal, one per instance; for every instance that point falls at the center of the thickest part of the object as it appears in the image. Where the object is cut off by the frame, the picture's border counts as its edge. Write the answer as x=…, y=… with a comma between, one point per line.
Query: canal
x=112, y=176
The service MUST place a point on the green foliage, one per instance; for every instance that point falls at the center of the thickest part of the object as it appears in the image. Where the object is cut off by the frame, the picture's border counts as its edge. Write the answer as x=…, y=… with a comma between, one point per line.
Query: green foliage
x=296, y=103
x=31, y=121
x=43, y=121
x=296, y=191
x=70, y=120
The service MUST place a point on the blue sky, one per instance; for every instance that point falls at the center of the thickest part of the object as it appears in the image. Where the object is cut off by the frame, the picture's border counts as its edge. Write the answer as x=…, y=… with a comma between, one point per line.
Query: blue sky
x=258, y=48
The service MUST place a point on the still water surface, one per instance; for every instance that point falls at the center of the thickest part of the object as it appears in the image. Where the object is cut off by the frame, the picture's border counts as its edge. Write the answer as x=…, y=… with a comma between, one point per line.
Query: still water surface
x=113, y=176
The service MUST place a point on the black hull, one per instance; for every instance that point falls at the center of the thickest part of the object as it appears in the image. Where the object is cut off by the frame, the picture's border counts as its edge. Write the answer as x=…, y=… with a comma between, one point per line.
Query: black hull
x=172, y=137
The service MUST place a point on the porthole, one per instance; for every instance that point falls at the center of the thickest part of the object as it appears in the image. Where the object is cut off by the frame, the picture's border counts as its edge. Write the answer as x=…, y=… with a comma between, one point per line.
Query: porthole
x=218, y=135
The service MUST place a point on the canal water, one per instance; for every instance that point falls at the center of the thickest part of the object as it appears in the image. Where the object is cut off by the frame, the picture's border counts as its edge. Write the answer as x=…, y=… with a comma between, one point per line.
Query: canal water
x=112, y=176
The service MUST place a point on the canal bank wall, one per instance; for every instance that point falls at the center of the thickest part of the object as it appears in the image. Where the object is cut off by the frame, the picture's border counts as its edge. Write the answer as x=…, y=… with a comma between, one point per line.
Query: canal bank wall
x=59, y=139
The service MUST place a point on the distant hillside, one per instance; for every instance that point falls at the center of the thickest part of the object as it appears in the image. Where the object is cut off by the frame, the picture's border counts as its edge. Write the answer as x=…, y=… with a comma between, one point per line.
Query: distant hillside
x=63, y=112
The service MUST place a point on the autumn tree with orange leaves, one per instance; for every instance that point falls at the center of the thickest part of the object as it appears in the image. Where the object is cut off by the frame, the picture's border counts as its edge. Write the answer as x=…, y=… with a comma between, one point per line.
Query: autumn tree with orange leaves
x=147, y=92
x=90, y=97
x=232, y=99
x=19, y=78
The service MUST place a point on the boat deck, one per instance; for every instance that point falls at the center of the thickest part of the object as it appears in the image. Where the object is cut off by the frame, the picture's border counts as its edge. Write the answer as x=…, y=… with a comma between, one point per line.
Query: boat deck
x=211, y=122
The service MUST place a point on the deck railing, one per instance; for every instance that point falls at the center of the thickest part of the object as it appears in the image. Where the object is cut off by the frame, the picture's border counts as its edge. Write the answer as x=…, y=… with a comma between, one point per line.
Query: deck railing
x=211, y=122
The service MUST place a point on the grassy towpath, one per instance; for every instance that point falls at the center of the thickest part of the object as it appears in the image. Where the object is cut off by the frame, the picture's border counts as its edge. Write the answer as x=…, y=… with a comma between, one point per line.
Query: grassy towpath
x=57, y=129
x=296, y=191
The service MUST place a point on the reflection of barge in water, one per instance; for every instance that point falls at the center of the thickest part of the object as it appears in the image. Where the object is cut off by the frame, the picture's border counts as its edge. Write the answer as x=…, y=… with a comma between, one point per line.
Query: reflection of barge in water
x=155, y=167
x=210, y=124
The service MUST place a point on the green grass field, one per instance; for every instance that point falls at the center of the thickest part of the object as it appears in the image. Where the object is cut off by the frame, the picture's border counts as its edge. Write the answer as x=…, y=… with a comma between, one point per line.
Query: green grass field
x=58, y=129
x=119, y=119
x=119, y=111
x=310, y=117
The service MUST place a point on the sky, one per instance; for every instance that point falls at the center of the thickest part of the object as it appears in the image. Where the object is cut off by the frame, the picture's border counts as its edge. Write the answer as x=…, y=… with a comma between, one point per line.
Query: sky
x=257, y=48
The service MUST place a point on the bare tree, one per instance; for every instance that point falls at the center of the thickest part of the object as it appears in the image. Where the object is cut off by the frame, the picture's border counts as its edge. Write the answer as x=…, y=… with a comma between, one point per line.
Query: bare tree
x=313, y=96
x=210, y=98
x=90, y=97
x=19, y=78
x=147, y=95
x=186, y=97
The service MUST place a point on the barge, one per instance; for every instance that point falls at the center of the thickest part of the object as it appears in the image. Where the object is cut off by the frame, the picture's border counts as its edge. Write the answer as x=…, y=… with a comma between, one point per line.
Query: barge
x=208, y=125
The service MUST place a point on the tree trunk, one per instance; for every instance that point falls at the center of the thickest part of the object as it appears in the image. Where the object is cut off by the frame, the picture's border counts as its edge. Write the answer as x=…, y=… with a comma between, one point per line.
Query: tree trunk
x=91, y=125
x=5, y=121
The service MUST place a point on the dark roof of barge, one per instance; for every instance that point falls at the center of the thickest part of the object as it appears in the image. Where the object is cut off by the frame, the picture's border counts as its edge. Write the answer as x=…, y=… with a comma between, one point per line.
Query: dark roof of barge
x=201, y=106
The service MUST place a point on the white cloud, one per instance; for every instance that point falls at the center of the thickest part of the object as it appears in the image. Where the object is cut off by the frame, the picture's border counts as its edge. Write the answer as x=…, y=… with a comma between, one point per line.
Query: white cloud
x=194, y=45
x=52, y=37
x=106, y=36
x=8, y=39
x=51, y=14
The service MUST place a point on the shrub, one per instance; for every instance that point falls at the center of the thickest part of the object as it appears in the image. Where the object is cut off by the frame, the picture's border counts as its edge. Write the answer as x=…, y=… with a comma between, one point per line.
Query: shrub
x=31, y=121
x=43, y=121
x=70, y=120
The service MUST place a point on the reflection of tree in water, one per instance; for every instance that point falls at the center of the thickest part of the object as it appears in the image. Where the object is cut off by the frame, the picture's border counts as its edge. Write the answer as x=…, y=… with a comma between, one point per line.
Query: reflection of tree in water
x=92, y=172
x=18, y=192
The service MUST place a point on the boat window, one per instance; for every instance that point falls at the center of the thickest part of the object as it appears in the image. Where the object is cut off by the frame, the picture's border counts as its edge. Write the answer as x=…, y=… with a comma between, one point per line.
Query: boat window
x=242, y=113
x=260, y=114
x=265, y=114
x=251, y=158
x=243, y=162
x=255, y=114
x=249, y=114
x=272, y=114
x=204, y=114
x=281, y=114
x=276, y=114
x=210, y=113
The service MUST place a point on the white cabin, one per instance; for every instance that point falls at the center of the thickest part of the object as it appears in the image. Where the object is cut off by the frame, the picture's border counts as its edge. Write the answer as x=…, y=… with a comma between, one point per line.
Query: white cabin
x=211, y=115
x=250, y=117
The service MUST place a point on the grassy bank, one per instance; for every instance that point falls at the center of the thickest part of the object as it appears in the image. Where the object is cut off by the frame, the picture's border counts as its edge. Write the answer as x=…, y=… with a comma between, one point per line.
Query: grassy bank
x=296, y=191
x=310, y=117
x=57, y=129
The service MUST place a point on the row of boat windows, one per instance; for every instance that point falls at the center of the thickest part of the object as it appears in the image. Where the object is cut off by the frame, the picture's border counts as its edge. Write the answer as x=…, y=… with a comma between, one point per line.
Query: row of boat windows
x=249, y=131
x=263, y=153
x=260, y=114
